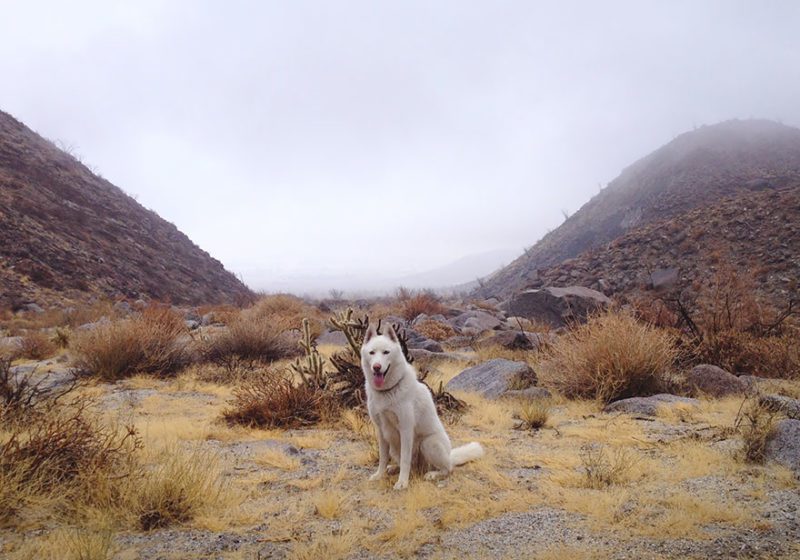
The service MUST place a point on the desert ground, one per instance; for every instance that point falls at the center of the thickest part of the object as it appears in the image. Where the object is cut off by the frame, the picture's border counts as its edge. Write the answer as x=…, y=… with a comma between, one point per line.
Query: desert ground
x=561, y=478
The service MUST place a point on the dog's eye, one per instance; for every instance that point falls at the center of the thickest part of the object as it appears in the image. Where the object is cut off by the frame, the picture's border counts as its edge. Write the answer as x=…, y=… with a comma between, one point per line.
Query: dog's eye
x=385, y=351
x=372, y=352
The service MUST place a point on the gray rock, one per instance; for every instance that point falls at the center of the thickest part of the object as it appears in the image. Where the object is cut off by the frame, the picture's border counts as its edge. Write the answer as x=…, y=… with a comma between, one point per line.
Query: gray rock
x=778, y=403
x=784, y=447
x=91, y=326
x=192, y=325
x=491, y=378
x=33, y=308
x=476, y=321
x=714, y=382
x=529, y=394
x=122, y=307
x=557, y=306
x=648, y=406
x=193, y=315
x=416, y=340
x=425, y=358
x=10, y=344
x=664, y=278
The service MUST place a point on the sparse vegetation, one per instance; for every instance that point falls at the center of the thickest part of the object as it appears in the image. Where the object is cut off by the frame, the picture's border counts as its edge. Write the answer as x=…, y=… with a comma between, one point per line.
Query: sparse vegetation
x=603, y=468
x=153, y=342
x=756, y=424
x=36, y=345
x=423, y=302
x=534, y=414
x=612, y=356
x=270, y=399
x=435, y=330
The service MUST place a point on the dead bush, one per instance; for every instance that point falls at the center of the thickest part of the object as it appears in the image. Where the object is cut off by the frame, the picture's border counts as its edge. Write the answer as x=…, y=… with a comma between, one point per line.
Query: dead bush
x=434, y=330
x=726, y=324
x=602, y=468
x=270, y=399
x=612, y=356
x=288, y=310
x=534, y=414
x=54, y=450
x=36, y=345
x=249, y=339
x=423, y=302
x=179, y=485
x=756, y=424
x=156, y=342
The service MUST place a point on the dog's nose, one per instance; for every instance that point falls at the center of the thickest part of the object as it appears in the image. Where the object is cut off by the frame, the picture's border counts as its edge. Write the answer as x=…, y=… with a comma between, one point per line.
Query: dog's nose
x=376, y=367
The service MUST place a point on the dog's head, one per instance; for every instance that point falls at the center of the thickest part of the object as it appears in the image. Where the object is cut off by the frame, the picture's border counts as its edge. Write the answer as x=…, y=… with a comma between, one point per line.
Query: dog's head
x=382, y=358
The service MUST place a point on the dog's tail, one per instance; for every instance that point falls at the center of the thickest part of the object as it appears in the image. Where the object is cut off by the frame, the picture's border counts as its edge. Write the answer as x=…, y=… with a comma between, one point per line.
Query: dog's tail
x=465, y=453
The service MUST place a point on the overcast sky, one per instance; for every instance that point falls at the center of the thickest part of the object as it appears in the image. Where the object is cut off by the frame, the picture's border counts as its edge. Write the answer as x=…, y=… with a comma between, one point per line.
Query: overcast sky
x=377, y=139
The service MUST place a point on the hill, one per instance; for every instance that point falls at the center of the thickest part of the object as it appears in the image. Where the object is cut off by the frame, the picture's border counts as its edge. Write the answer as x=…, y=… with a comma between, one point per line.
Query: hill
x=721, y=192
x=66, y=233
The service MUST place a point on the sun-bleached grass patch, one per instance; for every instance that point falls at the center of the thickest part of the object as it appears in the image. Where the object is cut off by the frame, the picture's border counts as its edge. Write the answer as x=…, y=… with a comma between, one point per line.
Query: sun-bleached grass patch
x=277, y=459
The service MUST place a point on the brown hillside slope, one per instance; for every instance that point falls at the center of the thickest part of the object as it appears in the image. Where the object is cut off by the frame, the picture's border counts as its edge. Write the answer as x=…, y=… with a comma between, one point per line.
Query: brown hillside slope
x=698, y=168
x=757, y=234
x=67, y=233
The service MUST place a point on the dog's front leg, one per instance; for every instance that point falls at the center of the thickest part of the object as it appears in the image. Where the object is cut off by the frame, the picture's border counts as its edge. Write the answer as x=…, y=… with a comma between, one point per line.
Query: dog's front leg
x=383, y=453
x=406, y=425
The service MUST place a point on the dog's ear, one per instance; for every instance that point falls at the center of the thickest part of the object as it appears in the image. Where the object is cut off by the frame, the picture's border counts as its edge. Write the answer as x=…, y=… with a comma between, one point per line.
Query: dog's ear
x=390, y=334
x=371, y=331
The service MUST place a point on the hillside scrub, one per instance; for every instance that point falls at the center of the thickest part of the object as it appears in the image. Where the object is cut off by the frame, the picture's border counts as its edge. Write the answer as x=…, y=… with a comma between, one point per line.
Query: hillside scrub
x=612, y=356
x=154, y=341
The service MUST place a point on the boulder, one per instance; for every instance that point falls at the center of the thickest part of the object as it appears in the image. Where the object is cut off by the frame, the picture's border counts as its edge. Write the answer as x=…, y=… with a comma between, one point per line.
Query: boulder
x=557, y=306
x=192, y=325
x=784, y=446
x=714, y=382
x=515, y=340
x=10, y=345
x=664, y=278
x=648, y=406
x=492, y=378
x=416, y=340
x=778, y=403
x=475, y=321
x=33, y=308
x=122, y=308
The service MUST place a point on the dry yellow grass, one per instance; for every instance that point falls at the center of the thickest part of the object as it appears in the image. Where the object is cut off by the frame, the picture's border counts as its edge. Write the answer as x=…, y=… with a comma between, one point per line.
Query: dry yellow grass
x=277, y=459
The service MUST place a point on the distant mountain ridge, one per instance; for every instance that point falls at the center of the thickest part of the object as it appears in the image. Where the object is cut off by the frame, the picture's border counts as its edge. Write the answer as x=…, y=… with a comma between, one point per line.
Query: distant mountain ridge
x=67, y=233
x=727, y=164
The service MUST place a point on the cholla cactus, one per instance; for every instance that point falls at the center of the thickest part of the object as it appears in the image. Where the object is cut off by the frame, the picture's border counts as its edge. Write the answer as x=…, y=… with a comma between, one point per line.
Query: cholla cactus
x=312, y=370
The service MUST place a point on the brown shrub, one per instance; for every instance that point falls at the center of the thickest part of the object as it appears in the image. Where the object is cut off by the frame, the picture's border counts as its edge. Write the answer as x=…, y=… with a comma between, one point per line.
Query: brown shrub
x=270, y=399
x=434, y=330
x=251, y=338
x=423, y=302
x=36, y=345
x=152, y=342
x=603, y=468
x=612, y=356
x=756, y=424
x=286, y=309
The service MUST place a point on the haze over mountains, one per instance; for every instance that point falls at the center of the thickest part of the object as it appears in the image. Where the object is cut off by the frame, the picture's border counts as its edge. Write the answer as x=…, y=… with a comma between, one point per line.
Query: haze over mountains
x=67, y=233
x=721, y=194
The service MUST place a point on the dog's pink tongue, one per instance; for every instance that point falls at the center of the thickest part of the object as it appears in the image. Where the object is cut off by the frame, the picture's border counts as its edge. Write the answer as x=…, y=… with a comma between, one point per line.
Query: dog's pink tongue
x=378, y=379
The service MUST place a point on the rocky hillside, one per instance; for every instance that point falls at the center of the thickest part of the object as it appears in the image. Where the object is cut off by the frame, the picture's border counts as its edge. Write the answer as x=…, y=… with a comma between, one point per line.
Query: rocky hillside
x=66, y=233
x=726, y=192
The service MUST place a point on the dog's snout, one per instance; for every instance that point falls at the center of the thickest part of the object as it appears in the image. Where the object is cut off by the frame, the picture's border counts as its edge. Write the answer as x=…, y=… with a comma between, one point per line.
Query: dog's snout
x=376, y=367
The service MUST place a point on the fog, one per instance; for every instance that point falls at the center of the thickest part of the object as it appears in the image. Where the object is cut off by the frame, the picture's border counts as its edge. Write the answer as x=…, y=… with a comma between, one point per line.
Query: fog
x=359, y=145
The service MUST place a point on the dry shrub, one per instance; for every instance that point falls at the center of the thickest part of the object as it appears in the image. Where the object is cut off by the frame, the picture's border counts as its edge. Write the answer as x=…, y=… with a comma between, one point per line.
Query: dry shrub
x=178, y=487
x=287, y=309
x=534, y=414
x=54, y=449
x=612, y=356
x=153, y=342
x=602, y=468
x=251, y=338
x=756, y=424
x=726, y=324
x=270, y=399
x=434, y=330
x=36, y=345
x=423, y=302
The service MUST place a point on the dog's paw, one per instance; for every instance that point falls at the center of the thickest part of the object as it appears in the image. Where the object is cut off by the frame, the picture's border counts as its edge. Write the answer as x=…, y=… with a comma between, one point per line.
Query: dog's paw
x=377, y=476
x=401, y=485
x=392, y=469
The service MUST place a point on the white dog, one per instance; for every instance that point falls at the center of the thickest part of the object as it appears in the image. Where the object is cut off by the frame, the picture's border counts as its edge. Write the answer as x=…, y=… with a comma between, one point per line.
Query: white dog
x=402, y=409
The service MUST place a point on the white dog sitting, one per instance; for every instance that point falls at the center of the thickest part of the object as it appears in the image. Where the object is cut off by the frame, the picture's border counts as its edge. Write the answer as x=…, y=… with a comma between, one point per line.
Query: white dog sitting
x=402, y=409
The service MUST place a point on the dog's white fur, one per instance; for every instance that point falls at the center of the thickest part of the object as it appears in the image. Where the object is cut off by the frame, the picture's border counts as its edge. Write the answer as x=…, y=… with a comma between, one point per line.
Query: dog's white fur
x=402, y=409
